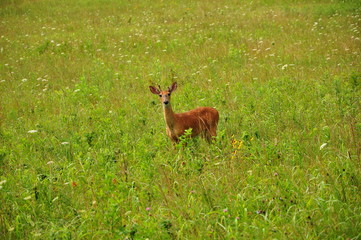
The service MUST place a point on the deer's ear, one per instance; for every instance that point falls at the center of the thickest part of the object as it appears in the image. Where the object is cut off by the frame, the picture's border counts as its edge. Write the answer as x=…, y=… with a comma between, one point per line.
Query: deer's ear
x=154, y=90
x=173, y=87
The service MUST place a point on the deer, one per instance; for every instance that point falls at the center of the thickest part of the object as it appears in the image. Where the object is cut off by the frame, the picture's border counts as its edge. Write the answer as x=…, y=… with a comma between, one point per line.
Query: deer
x=202, y=120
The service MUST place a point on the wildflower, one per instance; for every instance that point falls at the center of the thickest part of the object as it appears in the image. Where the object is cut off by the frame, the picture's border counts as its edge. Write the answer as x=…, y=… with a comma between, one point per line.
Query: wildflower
x=27, y=198
x=260, y=212
x=64, y=143
x=225, y=210
x=50, y=162
x=32, y=131
x=147, y=209
x=323, y=145
x=74, y=184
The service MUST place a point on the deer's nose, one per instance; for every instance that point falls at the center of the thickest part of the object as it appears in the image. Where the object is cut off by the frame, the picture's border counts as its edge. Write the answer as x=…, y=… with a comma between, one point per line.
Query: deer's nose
x=166, y=102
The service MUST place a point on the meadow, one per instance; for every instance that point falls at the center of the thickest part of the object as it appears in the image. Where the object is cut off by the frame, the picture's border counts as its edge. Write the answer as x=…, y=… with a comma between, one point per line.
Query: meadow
x=83, y=148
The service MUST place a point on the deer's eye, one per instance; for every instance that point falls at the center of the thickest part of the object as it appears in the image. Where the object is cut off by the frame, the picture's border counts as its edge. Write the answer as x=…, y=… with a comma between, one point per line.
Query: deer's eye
x=168, y=94
x=160, y=95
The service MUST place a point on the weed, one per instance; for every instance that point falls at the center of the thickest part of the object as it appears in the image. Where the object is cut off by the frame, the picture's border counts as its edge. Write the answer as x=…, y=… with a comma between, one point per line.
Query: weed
x=83, y=150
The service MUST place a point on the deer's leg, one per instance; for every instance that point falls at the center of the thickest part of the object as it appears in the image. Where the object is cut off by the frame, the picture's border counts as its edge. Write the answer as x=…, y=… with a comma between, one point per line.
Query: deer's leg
x=208, y=136
x=211, y=134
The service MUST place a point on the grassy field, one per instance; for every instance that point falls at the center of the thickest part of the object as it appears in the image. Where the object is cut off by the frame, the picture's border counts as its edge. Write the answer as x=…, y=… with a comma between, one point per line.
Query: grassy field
x=83, y=149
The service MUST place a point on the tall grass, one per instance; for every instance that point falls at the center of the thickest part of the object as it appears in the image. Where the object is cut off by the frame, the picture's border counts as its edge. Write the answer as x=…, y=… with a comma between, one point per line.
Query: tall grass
x=83, y=149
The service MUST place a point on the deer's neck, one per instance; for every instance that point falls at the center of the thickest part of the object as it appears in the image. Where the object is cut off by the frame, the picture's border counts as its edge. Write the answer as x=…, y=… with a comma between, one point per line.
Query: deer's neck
x=169, y=116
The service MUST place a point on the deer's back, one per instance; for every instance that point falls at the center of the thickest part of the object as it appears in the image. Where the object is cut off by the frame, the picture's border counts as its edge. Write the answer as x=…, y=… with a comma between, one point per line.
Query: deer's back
x=198, y=119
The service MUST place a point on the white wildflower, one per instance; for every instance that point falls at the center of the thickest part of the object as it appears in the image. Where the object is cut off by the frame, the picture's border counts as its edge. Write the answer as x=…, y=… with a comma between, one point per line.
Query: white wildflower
x=284, y=66
x=32, y=131
x=323, y=145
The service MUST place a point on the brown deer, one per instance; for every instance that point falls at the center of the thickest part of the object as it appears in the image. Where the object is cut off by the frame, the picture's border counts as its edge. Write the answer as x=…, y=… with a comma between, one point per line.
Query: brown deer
x=202, y=121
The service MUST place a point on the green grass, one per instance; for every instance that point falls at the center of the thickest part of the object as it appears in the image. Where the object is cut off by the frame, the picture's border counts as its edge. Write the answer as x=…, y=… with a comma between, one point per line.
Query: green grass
x=83, y=149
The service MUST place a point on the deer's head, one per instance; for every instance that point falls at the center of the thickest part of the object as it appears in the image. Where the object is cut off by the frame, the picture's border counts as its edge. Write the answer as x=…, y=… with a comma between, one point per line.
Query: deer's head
x=164, y=95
